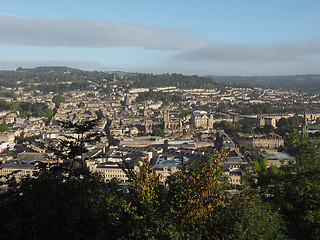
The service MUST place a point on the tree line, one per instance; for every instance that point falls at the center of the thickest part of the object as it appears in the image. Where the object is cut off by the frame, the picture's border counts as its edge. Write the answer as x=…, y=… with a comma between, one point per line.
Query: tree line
x=26, y=109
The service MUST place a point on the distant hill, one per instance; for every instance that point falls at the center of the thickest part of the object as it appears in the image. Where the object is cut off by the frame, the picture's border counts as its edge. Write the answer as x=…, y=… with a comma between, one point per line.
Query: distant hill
x=305, y=83
x=52, y=79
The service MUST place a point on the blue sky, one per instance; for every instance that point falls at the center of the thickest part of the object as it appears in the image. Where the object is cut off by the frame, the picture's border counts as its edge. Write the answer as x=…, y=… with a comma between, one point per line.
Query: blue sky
x=231, y=37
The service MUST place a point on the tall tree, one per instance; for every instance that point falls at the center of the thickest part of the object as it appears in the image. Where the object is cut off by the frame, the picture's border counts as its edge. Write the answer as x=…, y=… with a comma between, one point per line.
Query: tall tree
x=63, y=202
x=294, y=188
x=246, y=216
x=149, y=211
x=195, y=192
x=3, y=127
x=57, y=100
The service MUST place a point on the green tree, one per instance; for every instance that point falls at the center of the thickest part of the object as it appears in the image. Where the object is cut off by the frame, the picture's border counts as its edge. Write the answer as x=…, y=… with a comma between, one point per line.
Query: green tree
x=3, y=127
x=294, y=188
x=247, y=128
x=228, y=127
x=268, y=128
x=246, y=216
x=48, y=112
x=158, y=132
x=54, y=206
x=283, y=122
x=183, y=113
x=258, y=129
x=57, y=100
x=148, y=208
x=144, y=181
x=14, y=96
x=195, y=192
x=72, y=150
x=15, y=106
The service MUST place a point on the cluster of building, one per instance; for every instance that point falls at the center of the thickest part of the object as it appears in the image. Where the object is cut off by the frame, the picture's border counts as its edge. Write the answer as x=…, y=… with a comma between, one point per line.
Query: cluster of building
x=129, y=131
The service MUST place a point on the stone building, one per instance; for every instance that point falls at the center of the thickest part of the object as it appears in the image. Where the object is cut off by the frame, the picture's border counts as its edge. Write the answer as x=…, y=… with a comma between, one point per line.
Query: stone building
x=167, y=164
x=16, y=168
x=234, y=168
x=253, y=141
x=171, y=124
x=108, y=170
x=200, y=119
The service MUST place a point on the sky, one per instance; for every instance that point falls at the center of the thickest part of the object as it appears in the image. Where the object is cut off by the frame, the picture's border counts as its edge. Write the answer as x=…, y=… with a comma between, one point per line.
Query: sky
x=202, y=37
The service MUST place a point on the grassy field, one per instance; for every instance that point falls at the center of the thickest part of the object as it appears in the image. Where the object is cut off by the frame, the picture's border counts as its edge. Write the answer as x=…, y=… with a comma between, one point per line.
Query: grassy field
x=314, y=127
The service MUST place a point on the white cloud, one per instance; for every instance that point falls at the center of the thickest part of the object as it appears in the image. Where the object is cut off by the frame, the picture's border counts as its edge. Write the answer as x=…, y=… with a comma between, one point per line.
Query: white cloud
x=194, y=55
x=91, y=33
x=252, y=53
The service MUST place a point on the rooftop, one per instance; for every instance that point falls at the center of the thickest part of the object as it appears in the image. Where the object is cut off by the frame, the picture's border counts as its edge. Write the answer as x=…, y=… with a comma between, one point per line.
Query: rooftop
x=276, y=155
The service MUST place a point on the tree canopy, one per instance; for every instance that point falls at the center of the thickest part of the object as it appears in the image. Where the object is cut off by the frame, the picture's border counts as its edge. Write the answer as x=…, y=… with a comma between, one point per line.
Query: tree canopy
x=158, y=132
x=3, y=127
x=294, y=187
x=57, y=100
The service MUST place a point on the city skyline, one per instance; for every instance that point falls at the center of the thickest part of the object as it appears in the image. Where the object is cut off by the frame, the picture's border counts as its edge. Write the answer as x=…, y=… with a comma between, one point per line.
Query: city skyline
x=189, y=37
